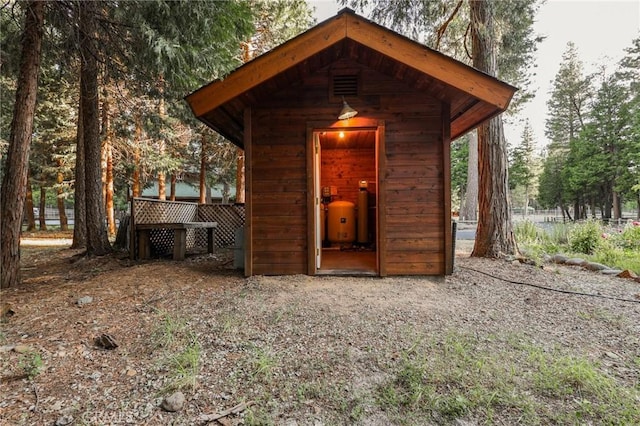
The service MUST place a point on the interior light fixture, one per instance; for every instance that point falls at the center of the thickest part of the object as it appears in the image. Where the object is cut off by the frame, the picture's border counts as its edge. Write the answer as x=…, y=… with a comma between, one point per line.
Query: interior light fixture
x=347, y=111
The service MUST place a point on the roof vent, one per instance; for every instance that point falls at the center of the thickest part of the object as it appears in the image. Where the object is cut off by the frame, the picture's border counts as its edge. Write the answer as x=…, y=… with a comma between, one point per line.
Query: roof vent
x=345, y=85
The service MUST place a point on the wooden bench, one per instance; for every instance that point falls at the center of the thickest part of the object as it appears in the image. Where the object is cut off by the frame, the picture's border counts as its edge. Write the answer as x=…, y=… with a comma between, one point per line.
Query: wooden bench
x=179, y=237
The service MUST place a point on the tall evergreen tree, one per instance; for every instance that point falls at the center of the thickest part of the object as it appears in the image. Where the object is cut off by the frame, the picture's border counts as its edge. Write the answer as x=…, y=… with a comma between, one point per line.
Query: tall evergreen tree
x=521, y=165
x=629, y=76
x=494, y=234
x=14, y=179
x=567, y=108
x=498, y=38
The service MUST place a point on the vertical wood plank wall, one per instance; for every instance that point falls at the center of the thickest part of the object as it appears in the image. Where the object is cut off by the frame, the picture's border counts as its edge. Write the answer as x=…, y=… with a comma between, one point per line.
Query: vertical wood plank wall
x=344, y=168
x=414, y=239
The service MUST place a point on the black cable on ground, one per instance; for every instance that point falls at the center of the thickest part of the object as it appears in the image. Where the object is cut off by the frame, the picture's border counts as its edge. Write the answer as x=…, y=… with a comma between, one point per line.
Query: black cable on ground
x=557, y=290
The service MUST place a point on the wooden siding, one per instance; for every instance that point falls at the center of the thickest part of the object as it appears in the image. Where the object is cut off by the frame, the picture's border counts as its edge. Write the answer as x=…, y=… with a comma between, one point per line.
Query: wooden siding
x=414, y=207
x=345, y=168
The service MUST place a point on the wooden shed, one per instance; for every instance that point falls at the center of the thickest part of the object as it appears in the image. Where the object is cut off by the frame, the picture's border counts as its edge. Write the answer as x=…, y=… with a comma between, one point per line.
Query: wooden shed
x=367, y=194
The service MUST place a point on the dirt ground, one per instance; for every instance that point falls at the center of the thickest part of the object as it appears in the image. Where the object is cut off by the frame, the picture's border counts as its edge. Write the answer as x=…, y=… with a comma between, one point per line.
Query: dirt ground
x=294, y=346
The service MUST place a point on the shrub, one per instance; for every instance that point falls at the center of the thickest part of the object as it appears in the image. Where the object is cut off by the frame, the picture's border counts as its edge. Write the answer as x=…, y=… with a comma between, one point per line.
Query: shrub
x=527, y=232
x=629, y=238
x=586, y=237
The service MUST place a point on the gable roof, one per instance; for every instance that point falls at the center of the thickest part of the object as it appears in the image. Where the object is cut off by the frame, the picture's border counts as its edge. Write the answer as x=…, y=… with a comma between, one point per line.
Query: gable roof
x=473, y=96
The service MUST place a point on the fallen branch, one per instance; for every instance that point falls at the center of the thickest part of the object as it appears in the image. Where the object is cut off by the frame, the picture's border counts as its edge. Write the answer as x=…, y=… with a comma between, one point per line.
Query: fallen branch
x=233, y=410
x=35, y=391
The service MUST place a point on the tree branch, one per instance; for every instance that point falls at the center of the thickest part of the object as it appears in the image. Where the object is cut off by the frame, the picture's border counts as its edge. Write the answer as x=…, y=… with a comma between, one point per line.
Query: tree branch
x=443, y=27
x=464, y=41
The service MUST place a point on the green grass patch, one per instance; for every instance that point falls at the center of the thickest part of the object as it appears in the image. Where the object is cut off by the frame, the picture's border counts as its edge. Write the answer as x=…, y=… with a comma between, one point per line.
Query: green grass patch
x=181, y=352
x=463, y=377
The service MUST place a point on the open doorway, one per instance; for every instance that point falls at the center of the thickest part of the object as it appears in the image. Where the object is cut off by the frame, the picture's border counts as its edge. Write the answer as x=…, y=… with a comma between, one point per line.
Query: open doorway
x=346, y=198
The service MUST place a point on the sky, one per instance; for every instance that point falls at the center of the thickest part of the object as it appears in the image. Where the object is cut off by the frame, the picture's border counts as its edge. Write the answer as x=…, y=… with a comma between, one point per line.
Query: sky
x=601, y=30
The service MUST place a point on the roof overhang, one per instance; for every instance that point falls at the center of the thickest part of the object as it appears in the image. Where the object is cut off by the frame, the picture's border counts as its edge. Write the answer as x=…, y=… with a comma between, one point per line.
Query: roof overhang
x=473, y=96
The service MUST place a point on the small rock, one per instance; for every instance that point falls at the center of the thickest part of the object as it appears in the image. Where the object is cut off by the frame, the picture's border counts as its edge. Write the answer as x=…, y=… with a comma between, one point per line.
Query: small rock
x=612, y=355
x=173, y=402
x=515, y=262
x=7, y=348
x=131, y=372
x=84, y=300
x=575, y=261
x=627, y=274
x=547, y=258
x=594, y=266
x=22, y=349
x=559, y=258
x=610, y=271
x=64, y=421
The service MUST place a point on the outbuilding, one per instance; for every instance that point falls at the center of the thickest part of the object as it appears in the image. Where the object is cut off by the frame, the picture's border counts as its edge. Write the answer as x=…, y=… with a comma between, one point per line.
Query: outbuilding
x=346, y=131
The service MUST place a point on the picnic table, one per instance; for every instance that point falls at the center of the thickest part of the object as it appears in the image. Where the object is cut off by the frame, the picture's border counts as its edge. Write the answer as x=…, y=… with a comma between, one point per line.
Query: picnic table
x=179, y=236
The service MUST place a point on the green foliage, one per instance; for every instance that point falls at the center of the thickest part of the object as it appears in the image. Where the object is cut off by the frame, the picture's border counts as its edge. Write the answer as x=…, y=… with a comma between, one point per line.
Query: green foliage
x=527, y=232
x=595, y=135
x=629, y=238
x=459, y=166
x=615, y=248
x=170, y=330
x=568, y=102
x=521, y=160
x=444, y=25
x=30, y=363
x=586, y=237
x=184, y=367
x=181, y=351
x=263, y=363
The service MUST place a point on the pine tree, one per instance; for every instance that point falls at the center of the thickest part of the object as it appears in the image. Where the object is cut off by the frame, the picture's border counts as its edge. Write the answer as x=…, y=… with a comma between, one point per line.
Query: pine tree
x=521, y=165
x=14, y=179
x=629, y=76
x=498, y=38
x=567, y=108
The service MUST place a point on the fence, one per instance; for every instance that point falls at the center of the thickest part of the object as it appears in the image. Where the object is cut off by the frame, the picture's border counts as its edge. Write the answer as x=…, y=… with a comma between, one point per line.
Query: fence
x=228, y=216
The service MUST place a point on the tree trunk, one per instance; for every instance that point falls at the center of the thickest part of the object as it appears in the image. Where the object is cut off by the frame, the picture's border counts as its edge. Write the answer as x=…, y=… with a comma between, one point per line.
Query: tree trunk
x=42, y=205
x=62, y=214
x=79, y=205
x=225, y=193
x=174, y=179
x=162, y=190
x=97, y=240
x=162, y=186
x=566, y=211
x=111, y=217
x=28, y=207
x=14, y=181
x=135, y=186
x=471, y=197
x=494, y=235
x=617, y=206
x=240, y=176
x=203, y=170
x=107, y=163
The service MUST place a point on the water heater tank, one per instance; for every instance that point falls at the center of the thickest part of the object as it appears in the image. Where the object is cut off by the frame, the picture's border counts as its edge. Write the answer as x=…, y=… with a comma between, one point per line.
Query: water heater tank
x=341, y=222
